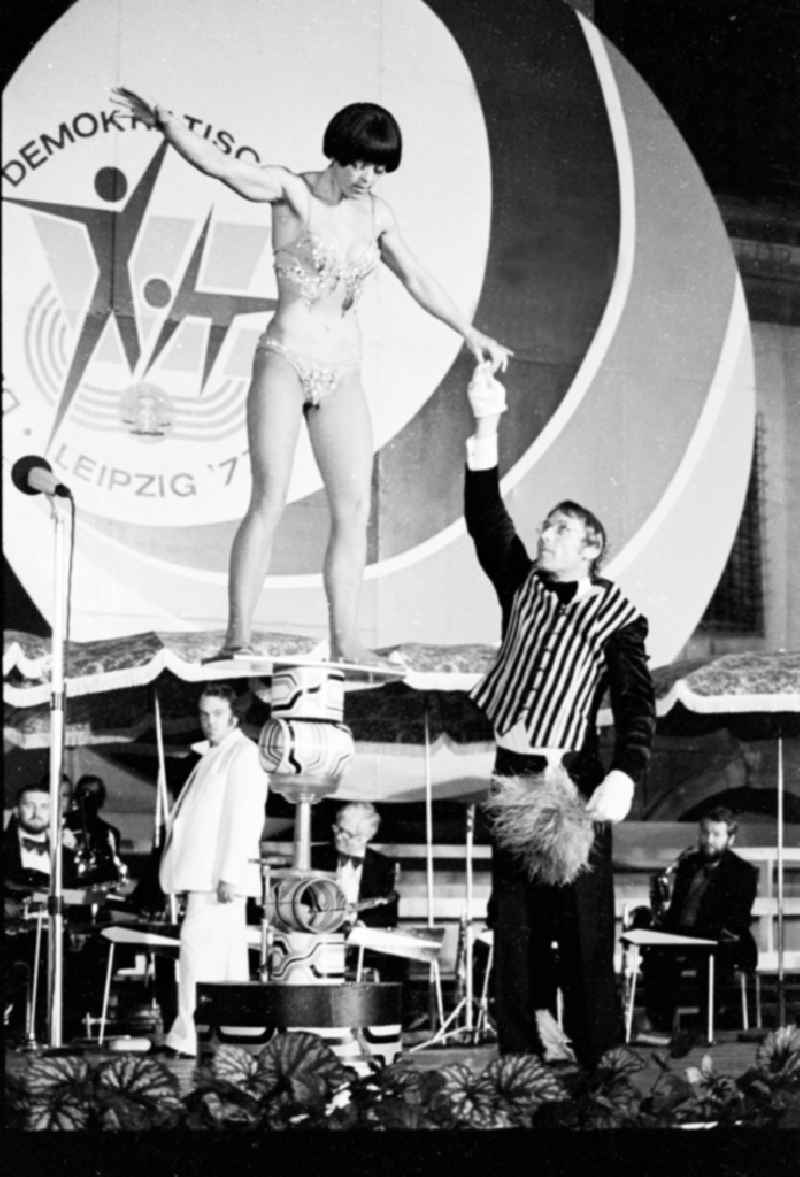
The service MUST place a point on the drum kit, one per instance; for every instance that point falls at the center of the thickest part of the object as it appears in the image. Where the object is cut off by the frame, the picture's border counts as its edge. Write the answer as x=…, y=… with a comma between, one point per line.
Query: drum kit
x=306, y=917
x=303, y=909
x=300, y=941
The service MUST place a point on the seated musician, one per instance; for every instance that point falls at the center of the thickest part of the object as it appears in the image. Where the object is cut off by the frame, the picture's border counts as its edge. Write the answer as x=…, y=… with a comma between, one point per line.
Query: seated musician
x=712, y=898
x=97, y=842
x=26, y=843
x=367, y=877
x=26, y=874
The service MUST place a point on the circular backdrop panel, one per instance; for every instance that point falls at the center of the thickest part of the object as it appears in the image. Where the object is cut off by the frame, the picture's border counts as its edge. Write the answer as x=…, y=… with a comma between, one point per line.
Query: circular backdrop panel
x=544, y=187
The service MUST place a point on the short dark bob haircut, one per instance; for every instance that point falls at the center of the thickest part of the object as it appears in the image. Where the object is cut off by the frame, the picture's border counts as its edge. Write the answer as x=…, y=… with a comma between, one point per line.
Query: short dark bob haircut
x=364, y=133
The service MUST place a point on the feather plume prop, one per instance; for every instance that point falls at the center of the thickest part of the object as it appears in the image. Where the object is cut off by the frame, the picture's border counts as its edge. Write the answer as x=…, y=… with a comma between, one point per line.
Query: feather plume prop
x=543, y=822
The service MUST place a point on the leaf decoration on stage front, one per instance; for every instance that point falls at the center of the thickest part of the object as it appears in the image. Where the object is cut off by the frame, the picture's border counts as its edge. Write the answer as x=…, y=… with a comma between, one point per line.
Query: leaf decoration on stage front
x=59, y=1094
x=297, y=1082
x=521, y=1084
x=298, y=1073
x=472, y=1099
x=137, y=1094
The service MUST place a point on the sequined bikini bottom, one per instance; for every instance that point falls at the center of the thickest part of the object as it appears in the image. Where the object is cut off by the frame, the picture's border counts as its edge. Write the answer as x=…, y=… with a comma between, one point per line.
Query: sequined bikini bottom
x=317, y=380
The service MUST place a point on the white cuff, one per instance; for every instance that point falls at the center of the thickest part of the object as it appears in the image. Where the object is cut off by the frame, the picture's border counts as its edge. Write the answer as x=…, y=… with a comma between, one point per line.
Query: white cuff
x=485, y=393
x=613, y=797
x=482, y=452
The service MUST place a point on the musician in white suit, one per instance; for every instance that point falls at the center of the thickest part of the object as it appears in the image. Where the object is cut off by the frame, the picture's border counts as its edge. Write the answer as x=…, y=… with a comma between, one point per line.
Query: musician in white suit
x=213, y=836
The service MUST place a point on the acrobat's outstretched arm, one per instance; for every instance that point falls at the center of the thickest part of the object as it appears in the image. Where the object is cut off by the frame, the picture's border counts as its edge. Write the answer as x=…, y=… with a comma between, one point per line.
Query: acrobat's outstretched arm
x=431, y=296
x=258, y=182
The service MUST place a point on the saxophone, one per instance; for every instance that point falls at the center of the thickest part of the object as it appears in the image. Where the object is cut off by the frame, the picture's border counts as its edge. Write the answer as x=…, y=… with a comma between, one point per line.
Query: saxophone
x=662, y=886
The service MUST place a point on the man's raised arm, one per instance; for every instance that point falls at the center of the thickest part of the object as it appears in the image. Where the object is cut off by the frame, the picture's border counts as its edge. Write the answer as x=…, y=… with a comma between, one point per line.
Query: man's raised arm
x=500, y=551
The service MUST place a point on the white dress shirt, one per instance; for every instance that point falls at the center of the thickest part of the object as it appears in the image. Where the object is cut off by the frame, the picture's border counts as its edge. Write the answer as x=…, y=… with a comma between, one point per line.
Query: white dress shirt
x=36, y=858
x=348, y=875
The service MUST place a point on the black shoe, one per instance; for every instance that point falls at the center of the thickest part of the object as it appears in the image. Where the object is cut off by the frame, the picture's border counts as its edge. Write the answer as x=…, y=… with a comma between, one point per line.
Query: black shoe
x=681, y=1044
x=169, y=1052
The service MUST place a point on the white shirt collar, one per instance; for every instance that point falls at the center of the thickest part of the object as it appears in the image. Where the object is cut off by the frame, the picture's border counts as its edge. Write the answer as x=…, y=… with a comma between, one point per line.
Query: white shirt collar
x=203, y=747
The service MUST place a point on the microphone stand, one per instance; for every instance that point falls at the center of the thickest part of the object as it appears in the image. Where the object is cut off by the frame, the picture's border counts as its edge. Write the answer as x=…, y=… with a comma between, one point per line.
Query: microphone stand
x=60, y=509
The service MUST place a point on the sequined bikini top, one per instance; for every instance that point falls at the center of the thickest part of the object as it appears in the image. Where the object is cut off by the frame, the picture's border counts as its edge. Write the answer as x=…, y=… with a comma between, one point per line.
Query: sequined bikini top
x=314, y=266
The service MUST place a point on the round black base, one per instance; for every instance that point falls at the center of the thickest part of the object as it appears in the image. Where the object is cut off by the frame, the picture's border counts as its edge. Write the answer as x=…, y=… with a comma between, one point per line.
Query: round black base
x=259, y=1008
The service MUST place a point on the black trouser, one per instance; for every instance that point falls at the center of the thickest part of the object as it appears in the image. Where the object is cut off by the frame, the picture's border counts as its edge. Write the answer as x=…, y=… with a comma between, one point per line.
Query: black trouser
x=528, y=918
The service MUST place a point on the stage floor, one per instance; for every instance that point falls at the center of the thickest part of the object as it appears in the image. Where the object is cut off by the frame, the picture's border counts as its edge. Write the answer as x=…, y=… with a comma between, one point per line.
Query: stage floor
x=730, y=1056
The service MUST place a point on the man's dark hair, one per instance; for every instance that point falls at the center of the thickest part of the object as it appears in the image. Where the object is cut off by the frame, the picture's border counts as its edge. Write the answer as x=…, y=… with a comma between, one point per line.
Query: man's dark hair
x=595, y=532
x=218, y=690
x=90, y=788
x=364, y=132
x=721, y=813
x=40, y=787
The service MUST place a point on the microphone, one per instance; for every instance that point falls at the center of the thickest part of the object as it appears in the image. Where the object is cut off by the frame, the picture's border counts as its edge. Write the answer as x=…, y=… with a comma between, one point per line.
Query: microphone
x=33, y=476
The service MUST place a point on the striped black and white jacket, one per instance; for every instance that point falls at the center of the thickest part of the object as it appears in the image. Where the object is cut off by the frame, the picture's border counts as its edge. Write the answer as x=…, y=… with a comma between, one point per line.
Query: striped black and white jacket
x=557, y=659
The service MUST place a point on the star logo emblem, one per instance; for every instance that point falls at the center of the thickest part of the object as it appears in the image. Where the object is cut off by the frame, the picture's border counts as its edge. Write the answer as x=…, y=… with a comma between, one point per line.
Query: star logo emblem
x=113, y=234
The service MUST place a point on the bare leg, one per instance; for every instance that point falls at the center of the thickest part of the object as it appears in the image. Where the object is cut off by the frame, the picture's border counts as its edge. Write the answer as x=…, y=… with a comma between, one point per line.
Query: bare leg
x=341, y=438
x=274, y=412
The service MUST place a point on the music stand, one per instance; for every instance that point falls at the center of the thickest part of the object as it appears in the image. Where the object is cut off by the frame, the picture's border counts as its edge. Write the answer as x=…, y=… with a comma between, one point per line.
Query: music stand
x=467, y=1004
x=638, y=938
x=151, y=942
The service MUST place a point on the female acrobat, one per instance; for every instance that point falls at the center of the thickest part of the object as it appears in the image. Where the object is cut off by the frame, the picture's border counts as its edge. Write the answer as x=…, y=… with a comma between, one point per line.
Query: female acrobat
x=329, y=232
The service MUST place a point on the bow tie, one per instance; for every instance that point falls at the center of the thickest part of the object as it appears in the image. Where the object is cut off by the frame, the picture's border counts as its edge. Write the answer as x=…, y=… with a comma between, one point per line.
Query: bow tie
x=37, y=844
x=352, y=859
x=564, y=590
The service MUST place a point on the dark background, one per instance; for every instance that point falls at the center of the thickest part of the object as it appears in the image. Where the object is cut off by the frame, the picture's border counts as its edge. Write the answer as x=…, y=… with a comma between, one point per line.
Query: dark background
x=728, y=72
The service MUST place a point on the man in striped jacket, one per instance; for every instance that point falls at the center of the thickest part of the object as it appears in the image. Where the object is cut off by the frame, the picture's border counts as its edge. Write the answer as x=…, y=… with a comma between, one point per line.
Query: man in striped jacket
x=567, y=636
